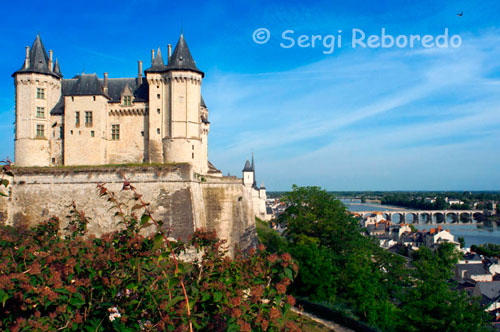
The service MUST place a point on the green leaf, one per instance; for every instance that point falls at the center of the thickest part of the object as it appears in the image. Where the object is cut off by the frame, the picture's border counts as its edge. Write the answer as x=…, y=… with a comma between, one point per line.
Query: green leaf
x=3, y=297
x=217, y=296
x=158, y=241
x=77, y=300
x=289, y=273
x=205, y=297
x=145, y=219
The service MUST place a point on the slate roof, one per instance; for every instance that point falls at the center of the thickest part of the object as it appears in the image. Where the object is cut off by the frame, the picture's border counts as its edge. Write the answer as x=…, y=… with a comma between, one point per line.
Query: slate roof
x=203, y=102
x=83, y=85
x=489, y=289
x=247, y=167
x=181, y=58
x=157, y=66
x=39, y=61
x=116, y=86
x=57, y=69
x=473, y=269
x=59, y=107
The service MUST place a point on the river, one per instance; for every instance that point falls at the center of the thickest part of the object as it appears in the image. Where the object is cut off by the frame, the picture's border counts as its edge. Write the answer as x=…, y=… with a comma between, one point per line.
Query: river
x=472, y=233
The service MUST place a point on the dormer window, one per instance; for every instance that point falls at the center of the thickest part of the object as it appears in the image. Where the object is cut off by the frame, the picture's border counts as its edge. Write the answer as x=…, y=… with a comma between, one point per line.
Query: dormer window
x=127, y=100
x=127, y=95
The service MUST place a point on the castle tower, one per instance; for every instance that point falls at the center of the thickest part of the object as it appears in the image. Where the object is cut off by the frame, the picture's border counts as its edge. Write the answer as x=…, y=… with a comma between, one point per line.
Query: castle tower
x=158, y=101
x=38, y=90
x=248, y=174
x=182, y=138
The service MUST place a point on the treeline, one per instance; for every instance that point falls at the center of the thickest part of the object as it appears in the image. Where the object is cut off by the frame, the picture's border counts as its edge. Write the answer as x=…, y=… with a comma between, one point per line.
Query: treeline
x=487, y=250
x=408, y=201
x=349, y=272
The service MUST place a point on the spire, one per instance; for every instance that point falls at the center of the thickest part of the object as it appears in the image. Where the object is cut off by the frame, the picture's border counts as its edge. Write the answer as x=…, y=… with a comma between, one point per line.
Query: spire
x=157, y=64
x=247, y=167
x=262, y=186
x=158, y=61
x=57, y=69
x=38, y=60
x=181, y=58
x=253, y=170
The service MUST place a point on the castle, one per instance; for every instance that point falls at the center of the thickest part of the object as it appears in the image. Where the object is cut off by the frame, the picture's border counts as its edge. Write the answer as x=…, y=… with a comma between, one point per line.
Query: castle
x=157, y=119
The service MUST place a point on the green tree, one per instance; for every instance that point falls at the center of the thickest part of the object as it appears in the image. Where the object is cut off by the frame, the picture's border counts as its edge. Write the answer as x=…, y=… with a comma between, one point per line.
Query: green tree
x=337, y=263
x=431, y=304
x=461, y=240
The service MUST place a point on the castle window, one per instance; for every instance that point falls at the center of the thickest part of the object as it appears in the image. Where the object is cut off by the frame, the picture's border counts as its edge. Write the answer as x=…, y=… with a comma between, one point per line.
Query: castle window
x=88, y=119
x=61, y=132
x=127, y=100
x=142, y=133
x=77, y=119
x=94, y=98
x=40, y=130
x=40, y=112
x=115, y=132
x=158, y=96
x=158, y=130
x=91, y=133
x=158, y=110
x=192, y=155
x=192, y=146
x=40, y=93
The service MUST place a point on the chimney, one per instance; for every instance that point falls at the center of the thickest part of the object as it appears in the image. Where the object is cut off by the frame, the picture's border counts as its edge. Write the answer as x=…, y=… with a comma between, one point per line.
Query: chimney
x=106, y=83
x=27, y=60
x=169, y=53
x=152, y=56
x=139, y=75
x=50, y=60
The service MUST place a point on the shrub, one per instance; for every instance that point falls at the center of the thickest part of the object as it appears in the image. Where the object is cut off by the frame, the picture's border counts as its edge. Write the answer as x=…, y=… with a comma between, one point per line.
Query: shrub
x=126, y=281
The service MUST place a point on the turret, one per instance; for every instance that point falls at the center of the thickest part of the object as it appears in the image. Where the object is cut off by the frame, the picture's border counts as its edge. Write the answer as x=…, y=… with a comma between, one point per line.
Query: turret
x=38, y=90
x=248, y=175
x=182, y=121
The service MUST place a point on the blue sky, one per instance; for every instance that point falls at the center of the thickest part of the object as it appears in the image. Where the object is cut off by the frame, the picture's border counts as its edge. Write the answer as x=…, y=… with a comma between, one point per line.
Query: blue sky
x=357, y=119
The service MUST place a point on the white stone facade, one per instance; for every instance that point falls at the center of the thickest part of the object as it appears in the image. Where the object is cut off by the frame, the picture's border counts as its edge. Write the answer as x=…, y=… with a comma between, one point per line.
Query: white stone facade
x=156, y=118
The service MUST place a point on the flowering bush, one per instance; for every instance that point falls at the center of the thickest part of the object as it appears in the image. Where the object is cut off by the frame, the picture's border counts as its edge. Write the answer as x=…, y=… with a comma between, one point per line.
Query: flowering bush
x=123, y=281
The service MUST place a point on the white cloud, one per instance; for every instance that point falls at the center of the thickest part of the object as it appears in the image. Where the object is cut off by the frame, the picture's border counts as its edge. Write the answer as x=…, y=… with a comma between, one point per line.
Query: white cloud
x=356, y=103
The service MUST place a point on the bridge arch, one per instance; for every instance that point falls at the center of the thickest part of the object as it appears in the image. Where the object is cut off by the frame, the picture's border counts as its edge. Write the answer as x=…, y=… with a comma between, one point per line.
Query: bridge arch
x=478, y=216
x=414, y=217
x=454, y=217
x=440, y=217
x=465, y=217
x=426, y=217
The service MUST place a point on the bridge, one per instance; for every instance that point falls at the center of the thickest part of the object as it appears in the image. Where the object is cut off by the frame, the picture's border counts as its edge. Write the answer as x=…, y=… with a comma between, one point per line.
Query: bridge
x=428, y=216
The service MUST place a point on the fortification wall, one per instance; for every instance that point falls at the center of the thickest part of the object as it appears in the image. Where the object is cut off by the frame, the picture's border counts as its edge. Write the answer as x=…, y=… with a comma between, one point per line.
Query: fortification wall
x=183, y=201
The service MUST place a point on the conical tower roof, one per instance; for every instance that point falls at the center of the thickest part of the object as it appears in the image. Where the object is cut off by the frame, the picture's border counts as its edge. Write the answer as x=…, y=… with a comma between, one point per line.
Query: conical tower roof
x=247, y=167
x=181, y=58
x=38, y=60
x=157, y=66
x=57, y=69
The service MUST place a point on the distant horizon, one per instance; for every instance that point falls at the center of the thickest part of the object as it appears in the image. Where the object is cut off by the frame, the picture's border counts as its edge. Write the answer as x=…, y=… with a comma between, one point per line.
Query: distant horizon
x=334, y=114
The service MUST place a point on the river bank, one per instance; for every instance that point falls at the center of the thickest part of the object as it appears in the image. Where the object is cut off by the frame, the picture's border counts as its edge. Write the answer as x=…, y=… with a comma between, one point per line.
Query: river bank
x=472, y=233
